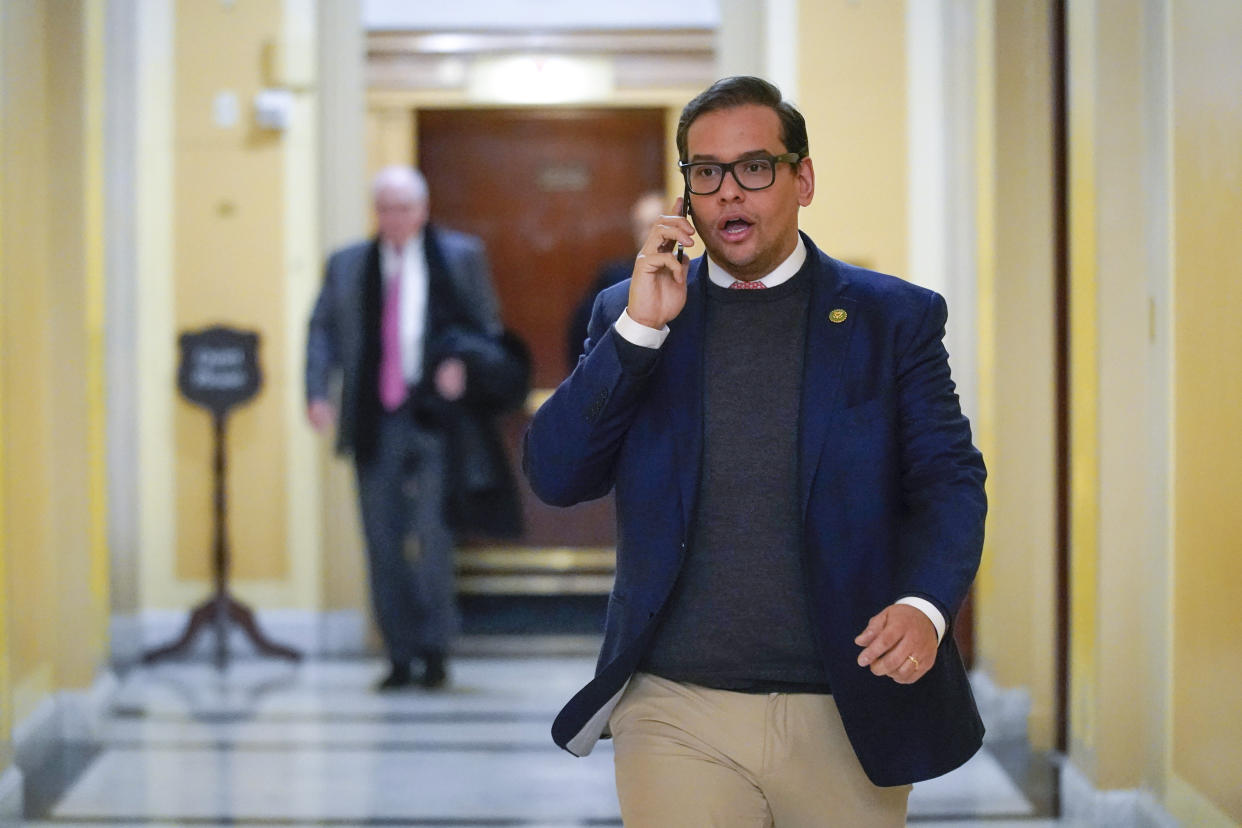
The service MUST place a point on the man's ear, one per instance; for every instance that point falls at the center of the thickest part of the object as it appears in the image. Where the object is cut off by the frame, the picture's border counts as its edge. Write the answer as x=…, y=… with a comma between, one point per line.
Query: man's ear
x=805, y=180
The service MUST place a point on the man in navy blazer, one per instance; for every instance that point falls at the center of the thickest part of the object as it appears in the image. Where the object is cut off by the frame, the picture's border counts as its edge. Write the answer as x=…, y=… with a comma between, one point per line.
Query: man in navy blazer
x=799, y=506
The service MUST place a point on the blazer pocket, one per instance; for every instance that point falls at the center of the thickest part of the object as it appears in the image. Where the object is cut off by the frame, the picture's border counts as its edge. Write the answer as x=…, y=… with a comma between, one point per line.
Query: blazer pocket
x=597, y=405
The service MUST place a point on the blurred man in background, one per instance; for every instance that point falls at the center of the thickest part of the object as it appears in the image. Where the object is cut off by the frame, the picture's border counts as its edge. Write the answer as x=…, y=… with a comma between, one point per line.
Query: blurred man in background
x=385, y=305
x=645, y=212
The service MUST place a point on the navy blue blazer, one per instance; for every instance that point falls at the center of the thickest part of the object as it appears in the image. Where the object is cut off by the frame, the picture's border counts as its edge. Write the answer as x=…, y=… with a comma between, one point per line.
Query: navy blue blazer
x=891, y=490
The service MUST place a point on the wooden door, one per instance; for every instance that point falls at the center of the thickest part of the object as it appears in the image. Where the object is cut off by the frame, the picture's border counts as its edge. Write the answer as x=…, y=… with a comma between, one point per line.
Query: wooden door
x=549, y=191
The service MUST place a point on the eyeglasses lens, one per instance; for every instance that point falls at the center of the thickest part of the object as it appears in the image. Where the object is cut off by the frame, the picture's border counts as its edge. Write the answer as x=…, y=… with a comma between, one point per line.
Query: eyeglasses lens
x=751, y=174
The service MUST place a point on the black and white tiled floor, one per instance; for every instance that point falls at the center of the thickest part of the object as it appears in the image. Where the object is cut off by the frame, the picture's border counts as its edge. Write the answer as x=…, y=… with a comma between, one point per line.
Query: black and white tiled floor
x=266, y=743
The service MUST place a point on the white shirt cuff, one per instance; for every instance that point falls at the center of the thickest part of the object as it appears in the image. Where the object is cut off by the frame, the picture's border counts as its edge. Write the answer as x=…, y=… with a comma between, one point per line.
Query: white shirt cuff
x=928, y=609
x=639, y=334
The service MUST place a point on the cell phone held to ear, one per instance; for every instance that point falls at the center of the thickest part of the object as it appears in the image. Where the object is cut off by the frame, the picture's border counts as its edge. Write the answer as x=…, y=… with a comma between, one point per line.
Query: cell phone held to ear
x=685, y=212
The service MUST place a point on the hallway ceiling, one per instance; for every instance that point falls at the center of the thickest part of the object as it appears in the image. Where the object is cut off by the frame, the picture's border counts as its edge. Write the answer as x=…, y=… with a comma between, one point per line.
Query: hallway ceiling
x=475, y=15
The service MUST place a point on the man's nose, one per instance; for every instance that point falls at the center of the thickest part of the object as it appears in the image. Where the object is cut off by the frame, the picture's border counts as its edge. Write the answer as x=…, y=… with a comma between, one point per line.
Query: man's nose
x=730, y=188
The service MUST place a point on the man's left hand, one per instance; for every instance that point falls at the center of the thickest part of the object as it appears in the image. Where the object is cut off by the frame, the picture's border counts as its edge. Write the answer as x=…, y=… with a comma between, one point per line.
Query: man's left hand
x=899, y=643
x=451, y=379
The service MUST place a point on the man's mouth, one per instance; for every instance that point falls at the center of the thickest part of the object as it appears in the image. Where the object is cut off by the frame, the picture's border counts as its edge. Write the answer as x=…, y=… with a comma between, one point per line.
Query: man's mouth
x=735, y=228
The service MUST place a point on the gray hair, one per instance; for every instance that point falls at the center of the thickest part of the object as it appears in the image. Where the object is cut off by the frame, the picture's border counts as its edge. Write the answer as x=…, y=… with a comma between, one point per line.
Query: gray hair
x=403, y=178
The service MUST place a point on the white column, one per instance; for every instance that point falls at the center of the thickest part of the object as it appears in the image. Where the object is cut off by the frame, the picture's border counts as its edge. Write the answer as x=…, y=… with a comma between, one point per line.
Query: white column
x=121, y=258
x=940, y=48
x=342, y=108
x=781, y=51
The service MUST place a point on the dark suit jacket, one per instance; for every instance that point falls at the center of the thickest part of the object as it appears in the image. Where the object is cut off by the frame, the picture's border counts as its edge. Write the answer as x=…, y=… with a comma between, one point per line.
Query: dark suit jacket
x=890, y=485
x=576, y=334
x=463, y=320
x=482, y=492
x=343, y=334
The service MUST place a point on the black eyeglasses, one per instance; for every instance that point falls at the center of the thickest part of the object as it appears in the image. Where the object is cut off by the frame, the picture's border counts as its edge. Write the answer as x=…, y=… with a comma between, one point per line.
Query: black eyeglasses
x=755, y=173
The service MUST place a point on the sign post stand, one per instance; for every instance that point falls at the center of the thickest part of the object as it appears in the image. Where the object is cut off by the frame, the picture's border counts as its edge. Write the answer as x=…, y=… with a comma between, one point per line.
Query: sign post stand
x=219, y=370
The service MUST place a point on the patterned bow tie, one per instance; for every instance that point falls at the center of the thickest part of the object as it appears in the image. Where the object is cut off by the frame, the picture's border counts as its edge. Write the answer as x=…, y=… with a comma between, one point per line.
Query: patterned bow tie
x=755, y=285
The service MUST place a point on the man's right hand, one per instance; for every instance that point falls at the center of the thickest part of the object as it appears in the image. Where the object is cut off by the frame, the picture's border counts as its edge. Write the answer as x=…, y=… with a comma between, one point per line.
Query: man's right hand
x=322, y=415
x=658, y=286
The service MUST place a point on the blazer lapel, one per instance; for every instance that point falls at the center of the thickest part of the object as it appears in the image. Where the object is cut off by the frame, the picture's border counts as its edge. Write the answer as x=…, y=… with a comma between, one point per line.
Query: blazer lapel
x=830, y=320
x=684, y=375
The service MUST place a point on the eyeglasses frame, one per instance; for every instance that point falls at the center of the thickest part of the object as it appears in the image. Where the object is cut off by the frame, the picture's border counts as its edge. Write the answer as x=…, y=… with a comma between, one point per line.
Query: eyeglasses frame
x=793, y=158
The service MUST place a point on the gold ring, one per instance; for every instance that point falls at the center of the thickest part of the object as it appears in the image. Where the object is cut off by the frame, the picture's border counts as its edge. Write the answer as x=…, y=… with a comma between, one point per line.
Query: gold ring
x=915, y=660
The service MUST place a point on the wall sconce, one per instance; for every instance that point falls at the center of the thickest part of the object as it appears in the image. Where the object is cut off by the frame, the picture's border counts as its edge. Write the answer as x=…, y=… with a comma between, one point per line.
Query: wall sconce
x=288, y=67
x=273, y=109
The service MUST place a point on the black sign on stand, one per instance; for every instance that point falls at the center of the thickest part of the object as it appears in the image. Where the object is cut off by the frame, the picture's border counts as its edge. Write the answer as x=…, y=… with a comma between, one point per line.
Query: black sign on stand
x=219, y=371
x=219, y=368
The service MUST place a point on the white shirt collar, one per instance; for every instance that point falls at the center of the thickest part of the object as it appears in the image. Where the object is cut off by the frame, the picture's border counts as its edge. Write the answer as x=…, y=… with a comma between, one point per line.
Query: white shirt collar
x=391, y=256
x=782, y=273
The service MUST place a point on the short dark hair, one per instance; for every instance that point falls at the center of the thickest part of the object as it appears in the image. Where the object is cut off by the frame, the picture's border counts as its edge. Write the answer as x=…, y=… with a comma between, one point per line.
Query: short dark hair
x=741, y=90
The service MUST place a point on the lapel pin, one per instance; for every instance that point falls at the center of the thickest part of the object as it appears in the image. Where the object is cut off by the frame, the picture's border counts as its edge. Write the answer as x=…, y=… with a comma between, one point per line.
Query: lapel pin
x=838, y=315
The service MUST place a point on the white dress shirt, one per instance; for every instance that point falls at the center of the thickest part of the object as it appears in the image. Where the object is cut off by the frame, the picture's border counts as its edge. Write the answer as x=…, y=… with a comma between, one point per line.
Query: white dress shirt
x=410, y=261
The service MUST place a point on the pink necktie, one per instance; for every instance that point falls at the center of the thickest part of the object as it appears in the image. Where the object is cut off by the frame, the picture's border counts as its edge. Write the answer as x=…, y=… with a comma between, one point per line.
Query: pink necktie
x=755, y=285
x=392, y=389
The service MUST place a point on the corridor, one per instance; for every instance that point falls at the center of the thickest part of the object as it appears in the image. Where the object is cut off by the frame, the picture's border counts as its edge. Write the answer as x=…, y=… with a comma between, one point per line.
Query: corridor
x=266, y=743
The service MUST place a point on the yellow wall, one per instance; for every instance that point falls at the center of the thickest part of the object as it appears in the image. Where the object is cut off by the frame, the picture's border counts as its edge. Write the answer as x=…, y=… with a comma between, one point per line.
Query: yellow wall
x=6, y=673
x=26, y=439
x=852, y=91
x=1015, y=595
x=1207, y=457
x=226, y=235
x=76, y=347
x=1155, y=203
x=228, y=232
x=53, y=560
x=1118, y=656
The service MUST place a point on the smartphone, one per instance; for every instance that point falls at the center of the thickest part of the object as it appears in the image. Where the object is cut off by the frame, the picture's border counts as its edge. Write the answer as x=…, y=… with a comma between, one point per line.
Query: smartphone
x=685, y=212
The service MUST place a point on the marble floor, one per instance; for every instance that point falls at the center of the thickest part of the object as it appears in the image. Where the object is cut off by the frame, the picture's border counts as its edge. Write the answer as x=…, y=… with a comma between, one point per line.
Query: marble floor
x=268, y=743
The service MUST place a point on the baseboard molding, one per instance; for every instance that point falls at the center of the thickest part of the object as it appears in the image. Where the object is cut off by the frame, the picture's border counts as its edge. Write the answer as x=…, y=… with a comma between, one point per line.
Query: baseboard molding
x=321, y=634
x=1193, y=808
x=1005, y=711
x=69, y=716
x=35, y=737
x=1082, y=803
x=345, y=633
x=11, y=793
x=82, y=712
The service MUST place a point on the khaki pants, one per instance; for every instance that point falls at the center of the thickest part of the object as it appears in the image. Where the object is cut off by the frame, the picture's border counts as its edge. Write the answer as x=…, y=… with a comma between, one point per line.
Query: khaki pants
x=692, y=757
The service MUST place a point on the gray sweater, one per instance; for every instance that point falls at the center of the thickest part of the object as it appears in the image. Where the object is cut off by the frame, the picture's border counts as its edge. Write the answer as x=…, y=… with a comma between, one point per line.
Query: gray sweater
x=738, y=618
